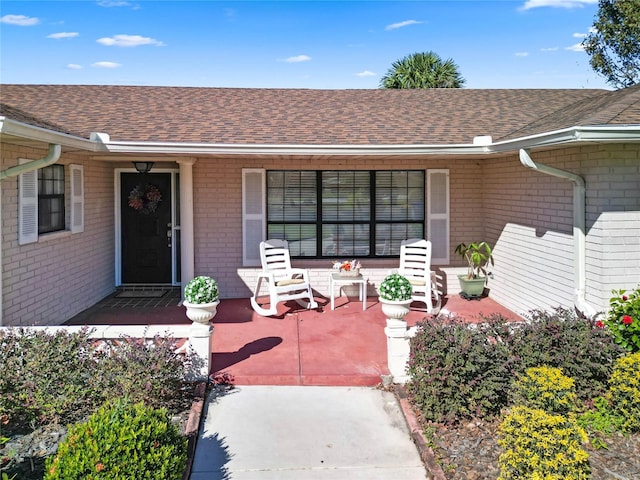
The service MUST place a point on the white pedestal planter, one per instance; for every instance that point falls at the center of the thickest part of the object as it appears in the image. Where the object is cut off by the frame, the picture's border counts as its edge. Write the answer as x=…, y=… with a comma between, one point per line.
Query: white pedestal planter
x=395, y=309
x=200, y=337
x=397, y=337
x=201, y=312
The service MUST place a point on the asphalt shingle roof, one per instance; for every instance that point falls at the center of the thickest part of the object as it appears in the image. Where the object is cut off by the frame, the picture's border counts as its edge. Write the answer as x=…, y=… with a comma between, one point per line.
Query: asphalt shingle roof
x=313, y=117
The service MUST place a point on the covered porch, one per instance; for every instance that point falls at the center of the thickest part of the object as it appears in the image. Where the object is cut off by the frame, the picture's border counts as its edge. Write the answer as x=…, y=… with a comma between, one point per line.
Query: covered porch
x=342, y=347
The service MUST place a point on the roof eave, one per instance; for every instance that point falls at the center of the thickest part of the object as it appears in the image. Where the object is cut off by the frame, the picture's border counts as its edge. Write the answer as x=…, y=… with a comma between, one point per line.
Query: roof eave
x=586, y=134
x=577, y=134
x=13, y=128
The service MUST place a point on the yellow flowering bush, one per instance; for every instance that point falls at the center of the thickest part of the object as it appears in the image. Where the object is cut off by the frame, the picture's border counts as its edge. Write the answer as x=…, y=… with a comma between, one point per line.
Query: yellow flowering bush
x=624, y=390
x=546, y=388
x=539, y=445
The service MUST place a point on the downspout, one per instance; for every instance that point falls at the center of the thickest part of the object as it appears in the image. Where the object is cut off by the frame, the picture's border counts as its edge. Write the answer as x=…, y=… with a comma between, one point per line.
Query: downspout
x=579, y=238
x=52, y=157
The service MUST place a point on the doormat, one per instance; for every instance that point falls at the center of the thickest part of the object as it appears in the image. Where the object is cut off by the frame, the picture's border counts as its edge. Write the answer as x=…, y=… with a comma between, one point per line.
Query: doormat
x=140, y=294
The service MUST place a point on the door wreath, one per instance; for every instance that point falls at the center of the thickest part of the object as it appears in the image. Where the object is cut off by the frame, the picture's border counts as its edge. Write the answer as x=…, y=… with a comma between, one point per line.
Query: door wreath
x=145, y=198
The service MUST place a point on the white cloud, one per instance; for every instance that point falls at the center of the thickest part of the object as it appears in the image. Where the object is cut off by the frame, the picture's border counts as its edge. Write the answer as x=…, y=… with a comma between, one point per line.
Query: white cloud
x=578, y=47
x=579, y=35
x=529, y=4
x=129, y=41
x=106, y=65
x=521, y=54
x=549, y=49
x=366, y=73
x=59, y=35
x=20, y=20
x=406, y=23
x=114, y=3
x=74, y=66
x=297, y=59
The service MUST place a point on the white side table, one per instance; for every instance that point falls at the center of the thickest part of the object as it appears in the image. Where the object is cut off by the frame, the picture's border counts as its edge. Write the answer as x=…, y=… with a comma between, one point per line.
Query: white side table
x=335, y=279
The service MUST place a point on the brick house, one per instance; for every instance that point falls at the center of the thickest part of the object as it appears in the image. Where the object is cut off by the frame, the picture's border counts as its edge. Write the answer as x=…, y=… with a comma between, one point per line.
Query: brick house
x=550, y=177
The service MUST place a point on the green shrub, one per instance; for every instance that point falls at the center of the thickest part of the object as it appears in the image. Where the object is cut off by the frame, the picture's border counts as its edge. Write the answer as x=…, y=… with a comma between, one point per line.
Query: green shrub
x=545, y=388
x=538, y=445
x=45, y=377
x=601, y=417
x=121, y=441
x=624, y=390
x=562, y=340
x=623, y=319
x=457, y=371
x=64, y=377
x=143, y=371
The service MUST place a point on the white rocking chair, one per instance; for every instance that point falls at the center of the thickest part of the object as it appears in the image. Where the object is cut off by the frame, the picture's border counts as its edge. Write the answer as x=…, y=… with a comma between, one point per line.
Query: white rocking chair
x=283, y=282
x=415, y=265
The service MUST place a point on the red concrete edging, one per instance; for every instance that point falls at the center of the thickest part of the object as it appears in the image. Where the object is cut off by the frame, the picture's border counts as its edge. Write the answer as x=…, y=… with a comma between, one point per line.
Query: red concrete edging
x=192, y=428
x=426, y=453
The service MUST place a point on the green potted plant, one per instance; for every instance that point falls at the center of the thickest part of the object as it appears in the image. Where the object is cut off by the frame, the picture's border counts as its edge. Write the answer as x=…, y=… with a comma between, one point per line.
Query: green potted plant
x=479, y=257
x=201, y=299
x=395, y=296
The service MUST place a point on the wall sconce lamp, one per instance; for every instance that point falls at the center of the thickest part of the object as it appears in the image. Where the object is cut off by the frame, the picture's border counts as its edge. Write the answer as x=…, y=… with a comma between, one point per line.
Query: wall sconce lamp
x=143, y=167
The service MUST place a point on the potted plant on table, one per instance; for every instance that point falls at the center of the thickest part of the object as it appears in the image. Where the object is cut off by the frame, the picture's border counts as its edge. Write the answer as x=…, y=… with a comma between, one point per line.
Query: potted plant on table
x=201, y=299
x=395, y=296
x=479, y=257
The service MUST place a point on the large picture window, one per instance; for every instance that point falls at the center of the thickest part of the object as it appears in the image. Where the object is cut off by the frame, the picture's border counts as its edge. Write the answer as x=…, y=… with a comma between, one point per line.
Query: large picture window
x=345, y=213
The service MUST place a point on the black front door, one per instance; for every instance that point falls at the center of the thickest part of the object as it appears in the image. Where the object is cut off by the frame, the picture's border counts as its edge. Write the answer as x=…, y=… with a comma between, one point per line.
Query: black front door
x=146, y=222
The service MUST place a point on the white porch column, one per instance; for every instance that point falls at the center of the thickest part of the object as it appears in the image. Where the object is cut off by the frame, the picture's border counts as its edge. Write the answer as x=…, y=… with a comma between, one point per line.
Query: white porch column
x=186, y=220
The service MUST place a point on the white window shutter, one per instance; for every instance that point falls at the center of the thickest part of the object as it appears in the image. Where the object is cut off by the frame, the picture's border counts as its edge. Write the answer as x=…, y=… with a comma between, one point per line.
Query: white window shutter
x=438, y=215
x=77, y=198
x=253, y=214
x=27, y=206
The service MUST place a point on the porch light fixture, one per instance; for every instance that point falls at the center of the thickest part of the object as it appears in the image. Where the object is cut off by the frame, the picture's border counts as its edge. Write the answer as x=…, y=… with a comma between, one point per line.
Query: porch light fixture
x=143, y=167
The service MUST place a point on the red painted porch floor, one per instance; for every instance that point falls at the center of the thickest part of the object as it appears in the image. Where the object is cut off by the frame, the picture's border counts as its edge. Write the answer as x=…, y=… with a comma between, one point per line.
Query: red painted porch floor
x=343, y=347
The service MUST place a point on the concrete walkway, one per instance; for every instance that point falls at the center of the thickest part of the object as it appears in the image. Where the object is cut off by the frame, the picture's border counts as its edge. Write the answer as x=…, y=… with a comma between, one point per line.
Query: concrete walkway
x=305, y=432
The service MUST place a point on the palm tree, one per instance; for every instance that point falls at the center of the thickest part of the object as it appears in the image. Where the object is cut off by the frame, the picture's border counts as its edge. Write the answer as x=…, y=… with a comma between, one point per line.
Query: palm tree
x=422, y=70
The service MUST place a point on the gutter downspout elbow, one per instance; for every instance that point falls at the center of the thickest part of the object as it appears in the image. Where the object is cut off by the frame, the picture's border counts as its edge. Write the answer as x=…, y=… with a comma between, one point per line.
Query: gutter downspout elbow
x=580, y=249
x=52, y=157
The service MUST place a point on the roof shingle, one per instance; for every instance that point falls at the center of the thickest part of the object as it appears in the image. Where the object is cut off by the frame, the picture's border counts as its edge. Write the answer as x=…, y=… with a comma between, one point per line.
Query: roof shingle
x=314, y=117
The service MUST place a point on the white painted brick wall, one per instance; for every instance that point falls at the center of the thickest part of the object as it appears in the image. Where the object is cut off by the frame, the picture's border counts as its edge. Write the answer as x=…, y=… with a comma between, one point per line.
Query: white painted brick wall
x=529, y=217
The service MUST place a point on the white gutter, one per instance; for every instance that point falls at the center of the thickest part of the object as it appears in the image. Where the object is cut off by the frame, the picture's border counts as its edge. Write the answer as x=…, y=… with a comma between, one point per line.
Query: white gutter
x=606, y=133
x=52, y=157
x=39, y=134
x=579, y=241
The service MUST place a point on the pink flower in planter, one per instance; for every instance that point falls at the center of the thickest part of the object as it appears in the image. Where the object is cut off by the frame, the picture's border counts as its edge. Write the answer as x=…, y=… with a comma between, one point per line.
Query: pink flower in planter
x=627, y=320
x=600, y=324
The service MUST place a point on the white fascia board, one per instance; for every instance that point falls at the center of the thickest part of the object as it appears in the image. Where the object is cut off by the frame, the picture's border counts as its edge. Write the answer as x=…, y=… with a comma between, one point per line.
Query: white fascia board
x=246, y=149
x=30, y=132
x=596, y=134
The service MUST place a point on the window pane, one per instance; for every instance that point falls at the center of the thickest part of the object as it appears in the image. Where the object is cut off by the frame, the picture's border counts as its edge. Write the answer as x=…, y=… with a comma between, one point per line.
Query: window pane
x=346, y=196
x=291, y=196
x=346, y=240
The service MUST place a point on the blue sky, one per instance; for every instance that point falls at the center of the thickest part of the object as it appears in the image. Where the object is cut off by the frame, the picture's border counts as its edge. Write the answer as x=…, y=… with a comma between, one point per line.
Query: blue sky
x=293, y=44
